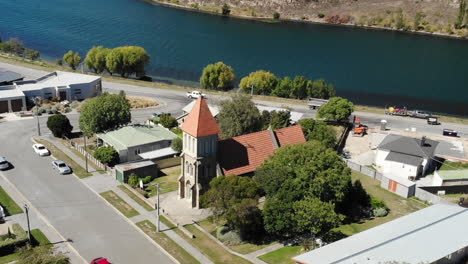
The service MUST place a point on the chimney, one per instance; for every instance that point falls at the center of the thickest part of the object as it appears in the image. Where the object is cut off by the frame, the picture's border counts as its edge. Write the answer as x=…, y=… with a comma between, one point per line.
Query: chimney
x=423, y=141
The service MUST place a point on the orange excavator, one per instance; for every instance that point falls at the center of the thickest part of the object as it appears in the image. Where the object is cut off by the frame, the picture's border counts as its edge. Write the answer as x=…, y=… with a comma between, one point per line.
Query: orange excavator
x=359, y=129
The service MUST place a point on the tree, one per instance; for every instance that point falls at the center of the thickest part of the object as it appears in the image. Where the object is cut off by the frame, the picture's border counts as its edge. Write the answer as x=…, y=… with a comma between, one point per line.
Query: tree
x=299, y=87
x=127, y=60
x=167, y=121
x=16, y=46
x=176, y=144
x=217, y=76
x=314, y=216
x=41, y=255
x=318, y=130
x=262, y=82
x=114, y=61
x=226, y=10
x=280, y=119
x=337, y=108
x=461, y=15
x=266, y=118
x=417, y=20
x=107, y=155
x=59, y=125
x=320, y=89
x=73, y=59
x=96, y=59
x=106, y=112
x=283, y=89
x=32, y=54
x=276, y=15
x=238, y=116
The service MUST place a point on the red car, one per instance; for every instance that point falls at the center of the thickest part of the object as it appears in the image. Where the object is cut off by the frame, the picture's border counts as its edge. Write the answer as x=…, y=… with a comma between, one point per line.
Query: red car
x=100, y=261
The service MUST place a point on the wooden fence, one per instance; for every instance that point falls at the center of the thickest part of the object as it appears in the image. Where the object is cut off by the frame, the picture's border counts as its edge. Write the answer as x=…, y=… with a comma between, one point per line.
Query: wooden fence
x=86, y=154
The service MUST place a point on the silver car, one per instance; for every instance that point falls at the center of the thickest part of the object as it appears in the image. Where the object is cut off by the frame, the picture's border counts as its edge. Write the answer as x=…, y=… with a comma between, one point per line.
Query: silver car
x=61, y=167
x=4, y=164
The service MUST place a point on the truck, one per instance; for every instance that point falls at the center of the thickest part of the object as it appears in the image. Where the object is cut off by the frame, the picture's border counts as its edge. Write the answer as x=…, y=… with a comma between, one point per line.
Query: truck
x=195, y=95
x=316, y=103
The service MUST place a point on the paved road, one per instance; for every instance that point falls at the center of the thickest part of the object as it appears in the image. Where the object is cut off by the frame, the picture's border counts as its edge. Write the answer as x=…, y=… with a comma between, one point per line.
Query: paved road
x=73, y=209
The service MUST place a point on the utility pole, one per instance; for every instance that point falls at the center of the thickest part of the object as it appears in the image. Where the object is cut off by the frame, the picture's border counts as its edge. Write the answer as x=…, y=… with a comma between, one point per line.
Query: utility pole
x=86, y=153
x=26, y=209
x=37, y=101
x=157, y=205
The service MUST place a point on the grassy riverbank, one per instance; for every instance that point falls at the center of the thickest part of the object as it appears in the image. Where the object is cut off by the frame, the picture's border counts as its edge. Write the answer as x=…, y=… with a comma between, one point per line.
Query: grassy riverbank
x=47, y=66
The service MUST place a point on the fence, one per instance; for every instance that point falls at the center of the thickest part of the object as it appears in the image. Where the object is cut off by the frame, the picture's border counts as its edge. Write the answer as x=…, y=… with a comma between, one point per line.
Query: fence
x=86, y=154
x=364, y=170
x=166, y=163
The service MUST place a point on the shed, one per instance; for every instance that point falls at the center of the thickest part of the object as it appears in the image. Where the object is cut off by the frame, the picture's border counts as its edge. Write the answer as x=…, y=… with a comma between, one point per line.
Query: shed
x=398, y=185
x=141, y=168
x=450, y=177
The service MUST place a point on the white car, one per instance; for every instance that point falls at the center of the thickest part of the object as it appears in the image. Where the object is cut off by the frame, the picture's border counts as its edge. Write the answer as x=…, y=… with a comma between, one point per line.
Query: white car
x=4, y=164
x=61, y=167
x=41, y=150
x=195, y=95
x=2, y=214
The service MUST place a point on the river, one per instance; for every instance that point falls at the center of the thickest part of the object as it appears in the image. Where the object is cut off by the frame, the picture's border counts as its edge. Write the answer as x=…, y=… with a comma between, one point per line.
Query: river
x=367, y=66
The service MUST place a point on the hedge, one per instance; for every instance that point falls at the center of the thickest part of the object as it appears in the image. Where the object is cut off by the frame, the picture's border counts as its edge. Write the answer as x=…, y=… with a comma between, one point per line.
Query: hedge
x=18, y=239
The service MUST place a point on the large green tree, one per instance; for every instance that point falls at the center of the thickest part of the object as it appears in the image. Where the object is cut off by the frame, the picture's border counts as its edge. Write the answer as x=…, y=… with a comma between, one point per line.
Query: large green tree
x=59, y=125
x=114, y=61
x=239, y=116
x=280, y=119
x=262, y=82
x=318, y=130
x=96, y=59
x=73, y=59
x=107, y=154
x=320, y=89
x=106, y=112
x=283, y=89
x=299, y=87
x=337, y=108
x=217, y=76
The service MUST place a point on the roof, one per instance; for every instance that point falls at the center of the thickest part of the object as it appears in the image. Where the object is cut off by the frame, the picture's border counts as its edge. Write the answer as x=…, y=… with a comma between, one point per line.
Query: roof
x=424, y=236
x=9, y=76
x=10, y=91
x=131, y=136
x=213, y=108
x=159, y=153
x=134, y=165
x=56, y=79
x=200, y=122
x=404, y=158
x=453, y=174
x=409, y=146
x=251, y=150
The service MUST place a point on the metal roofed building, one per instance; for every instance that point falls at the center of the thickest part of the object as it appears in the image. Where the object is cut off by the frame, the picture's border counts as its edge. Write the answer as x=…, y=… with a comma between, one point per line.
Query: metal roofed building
x=436, y=234
x=450, y=177
x=131, y=141
x=8, y=77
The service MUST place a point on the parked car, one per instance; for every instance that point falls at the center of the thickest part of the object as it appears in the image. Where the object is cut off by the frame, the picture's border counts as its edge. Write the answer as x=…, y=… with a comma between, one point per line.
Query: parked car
x=432, y=120
x=420, y=114
x=61, y=167
x=41, y=150
x=4, y=164
x=2, y=214
x=159, y=114
x=195, y=95
x=100, y=261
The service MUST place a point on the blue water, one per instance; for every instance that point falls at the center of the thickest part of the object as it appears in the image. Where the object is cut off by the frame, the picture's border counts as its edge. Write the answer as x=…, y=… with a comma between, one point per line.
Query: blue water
x=367, y=66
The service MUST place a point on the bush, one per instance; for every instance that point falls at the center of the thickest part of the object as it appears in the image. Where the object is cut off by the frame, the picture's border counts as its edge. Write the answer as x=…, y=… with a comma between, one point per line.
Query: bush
x=377, y=203
x=226, y=10
x=18, y=239
x=167, y=121
x=147, y=179
x=276, y=15
x=59, y=125
x=228, y=237
x=177, y=131
x=133, y=180
x=176, y=144
x=321, y=15
x=107, y=155
x=380, y=212
x=59, y=62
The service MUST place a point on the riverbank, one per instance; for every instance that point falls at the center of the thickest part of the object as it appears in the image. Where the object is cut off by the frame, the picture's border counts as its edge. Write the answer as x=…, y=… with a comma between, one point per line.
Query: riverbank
x=48, y=67
x=373, y=22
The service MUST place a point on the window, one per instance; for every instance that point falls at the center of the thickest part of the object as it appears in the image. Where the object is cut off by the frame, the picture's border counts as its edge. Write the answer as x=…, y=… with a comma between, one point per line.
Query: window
x=77, y=91
x=137, y=151
x=193, y=145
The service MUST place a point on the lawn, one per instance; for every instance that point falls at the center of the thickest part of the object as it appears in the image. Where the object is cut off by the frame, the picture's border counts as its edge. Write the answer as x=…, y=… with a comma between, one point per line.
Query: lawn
x=455, y=197
x=168, y=177
x=244, y=248
x=282, y=255
x=9, y=258
x=398, y=205
x=165, y=242
x=137, y=199
x=39, y=239
x=120, y=204
x=10, y=207
x=449, y=165
x=58, y=154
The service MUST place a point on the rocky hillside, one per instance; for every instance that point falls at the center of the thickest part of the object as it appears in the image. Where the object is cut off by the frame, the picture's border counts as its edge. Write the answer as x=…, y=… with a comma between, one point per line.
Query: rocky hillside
x=433, y=16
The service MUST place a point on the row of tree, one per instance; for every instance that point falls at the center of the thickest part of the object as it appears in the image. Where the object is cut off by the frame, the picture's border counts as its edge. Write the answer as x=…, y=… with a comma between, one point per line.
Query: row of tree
x=15, y=47
x=219, y=76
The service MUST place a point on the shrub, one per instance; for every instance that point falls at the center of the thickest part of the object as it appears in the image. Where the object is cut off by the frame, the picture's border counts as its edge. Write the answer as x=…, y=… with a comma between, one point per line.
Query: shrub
x=228, y=237
x=177, y=131
x=276, y=15
x=133, y=180
x=226, y=10
x=176, y=144
x=59, y=125
x=59, y=62
x=377, y=203
x=196, y=6
x=321, y=15
x=167, y=121
x=107, y=155
x=147, y=179
x=380, y=212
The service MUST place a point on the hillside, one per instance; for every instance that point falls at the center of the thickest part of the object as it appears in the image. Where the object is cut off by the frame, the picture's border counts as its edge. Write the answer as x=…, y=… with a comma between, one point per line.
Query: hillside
x=432, y=16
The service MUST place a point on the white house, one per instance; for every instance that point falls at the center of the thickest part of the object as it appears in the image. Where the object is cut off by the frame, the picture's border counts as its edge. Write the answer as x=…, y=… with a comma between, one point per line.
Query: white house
x=405, y=157
x=64, y=85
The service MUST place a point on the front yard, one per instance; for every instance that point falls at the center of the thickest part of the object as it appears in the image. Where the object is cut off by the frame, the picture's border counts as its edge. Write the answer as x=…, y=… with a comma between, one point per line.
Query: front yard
x=9, y=206
x=168, y=179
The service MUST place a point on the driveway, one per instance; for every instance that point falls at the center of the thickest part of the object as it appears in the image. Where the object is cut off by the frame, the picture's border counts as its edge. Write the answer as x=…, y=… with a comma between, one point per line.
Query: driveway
x=73, y=209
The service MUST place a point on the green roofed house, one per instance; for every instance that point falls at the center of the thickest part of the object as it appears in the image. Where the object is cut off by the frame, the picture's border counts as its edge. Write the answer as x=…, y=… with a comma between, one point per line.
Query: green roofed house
x=138, y=142
x=450, y=177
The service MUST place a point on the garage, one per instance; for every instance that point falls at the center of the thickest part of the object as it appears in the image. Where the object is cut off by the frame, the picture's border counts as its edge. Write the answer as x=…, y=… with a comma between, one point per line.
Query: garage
x=16, y=105
x=3, y=106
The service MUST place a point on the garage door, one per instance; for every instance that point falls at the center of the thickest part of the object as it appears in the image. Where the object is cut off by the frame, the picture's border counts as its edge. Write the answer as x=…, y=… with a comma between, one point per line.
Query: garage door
x=16, y=105
x=3, y=106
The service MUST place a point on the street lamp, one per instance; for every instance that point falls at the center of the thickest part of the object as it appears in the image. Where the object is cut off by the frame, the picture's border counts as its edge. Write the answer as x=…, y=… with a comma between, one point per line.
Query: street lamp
x=37, y=101
x=26, y=210
x=157, y=205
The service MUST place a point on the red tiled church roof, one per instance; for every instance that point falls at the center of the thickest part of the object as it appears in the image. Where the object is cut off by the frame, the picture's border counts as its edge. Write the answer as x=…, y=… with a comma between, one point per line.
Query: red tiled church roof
x=244, y=154
x=200, y=122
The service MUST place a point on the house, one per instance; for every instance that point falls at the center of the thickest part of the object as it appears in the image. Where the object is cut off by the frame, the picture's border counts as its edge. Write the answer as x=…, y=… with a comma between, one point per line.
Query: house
x=450, y=177
x=436, y=234
x=63, y=85
x=405, y=157
x=204, y=156
x=133, y=141
x=141, y=168
x=9, y=77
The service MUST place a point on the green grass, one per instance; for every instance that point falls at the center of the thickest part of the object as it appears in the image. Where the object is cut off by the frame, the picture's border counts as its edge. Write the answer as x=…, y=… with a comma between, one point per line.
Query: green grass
x=169, y=181
x=210, y=248
x=398, y=205
x=9, y=258
x=119, y=204
x=455, y=197
x=165, y=221
x=137, y=199
x=77, y=153
x=39, y=238
x=282, y=255
x=58, y=154
x=10, y=207
x=165, y=242
x=449, y=165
